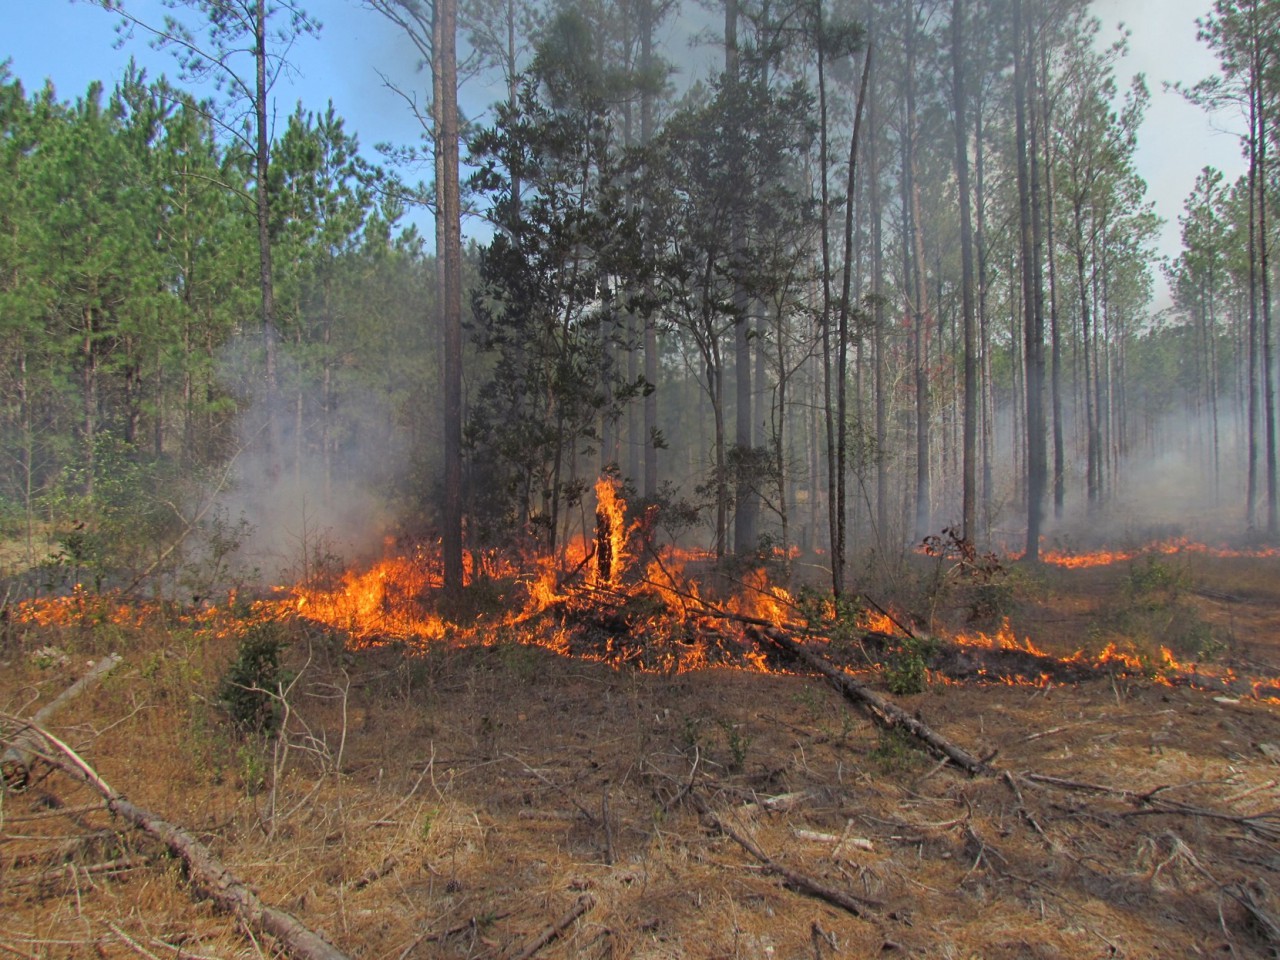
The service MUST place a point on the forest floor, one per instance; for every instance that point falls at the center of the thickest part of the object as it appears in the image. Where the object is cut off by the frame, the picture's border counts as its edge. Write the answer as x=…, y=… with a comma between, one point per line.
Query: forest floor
x=467, y=801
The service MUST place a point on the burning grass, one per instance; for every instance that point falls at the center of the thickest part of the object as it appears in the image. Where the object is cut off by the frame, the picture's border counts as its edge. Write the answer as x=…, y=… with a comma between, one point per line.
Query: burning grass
x=446, y=782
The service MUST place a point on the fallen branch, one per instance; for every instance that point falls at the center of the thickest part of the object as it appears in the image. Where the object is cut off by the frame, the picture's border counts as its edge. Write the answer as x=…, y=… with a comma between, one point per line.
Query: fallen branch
x=792, y=878
x=883, y=711
x=204, y=870
x=581, y=905
x=24, y=745
x=70, y=870
x=1265, y=825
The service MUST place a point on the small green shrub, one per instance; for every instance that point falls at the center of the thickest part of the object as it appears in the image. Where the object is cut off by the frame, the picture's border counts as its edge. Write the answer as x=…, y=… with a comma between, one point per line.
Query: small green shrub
x=738, y=745
x=1156, y=581
x=906, y=669
x=249, y=687
x=896, y=751
x=837, y=618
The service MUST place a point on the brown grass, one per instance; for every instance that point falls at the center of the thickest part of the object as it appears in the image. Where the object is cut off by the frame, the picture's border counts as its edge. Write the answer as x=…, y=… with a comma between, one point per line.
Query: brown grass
x=456, y=802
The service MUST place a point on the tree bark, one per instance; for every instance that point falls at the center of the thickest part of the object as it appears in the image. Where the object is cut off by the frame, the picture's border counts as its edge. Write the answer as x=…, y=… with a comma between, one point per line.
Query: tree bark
x=16, y=760
x=444, y=66
x=262, y=196
x=1033, y=336
x=970, y=442
x=883, y=711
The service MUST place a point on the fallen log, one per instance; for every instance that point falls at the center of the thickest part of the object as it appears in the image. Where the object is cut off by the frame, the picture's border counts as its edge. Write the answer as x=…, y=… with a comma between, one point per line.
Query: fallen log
x=205, y=871
x=883, y=711
x=24, y=745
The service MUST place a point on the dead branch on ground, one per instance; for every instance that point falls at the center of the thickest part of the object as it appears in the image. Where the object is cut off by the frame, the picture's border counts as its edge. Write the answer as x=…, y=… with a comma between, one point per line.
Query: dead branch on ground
x=792, y=878
x=882, y=710
x=206, y=872
x=530, y=947
x=24, y=745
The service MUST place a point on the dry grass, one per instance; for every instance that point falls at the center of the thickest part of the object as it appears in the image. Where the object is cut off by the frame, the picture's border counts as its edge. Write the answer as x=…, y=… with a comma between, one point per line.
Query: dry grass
x=456, y=803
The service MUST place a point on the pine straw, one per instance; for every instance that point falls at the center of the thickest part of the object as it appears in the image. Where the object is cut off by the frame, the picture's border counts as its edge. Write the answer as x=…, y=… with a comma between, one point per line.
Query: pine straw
x=456, y=804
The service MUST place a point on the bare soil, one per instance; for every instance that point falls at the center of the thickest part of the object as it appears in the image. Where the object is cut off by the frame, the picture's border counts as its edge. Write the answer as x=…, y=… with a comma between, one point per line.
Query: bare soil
x=462, y=801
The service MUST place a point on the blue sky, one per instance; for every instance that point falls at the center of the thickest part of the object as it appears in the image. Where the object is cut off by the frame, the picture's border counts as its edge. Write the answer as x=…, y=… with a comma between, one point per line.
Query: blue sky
x=74, y=43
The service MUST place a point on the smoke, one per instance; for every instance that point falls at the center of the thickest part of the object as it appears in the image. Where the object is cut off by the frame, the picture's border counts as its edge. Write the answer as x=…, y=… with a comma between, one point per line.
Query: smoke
x=1176, y=481
x=317, y=490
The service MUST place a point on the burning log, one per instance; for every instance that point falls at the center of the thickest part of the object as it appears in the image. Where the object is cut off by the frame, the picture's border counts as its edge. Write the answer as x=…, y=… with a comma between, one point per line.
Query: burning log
x=204, y=869
x=884, y=712
x=24, y=746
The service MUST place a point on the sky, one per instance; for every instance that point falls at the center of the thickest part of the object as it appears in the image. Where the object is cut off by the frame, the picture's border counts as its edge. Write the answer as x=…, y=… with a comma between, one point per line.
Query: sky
x=73, y=43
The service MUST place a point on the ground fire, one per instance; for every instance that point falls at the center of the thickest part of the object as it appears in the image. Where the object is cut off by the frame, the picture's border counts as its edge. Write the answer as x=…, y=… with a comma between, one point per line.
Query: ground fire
x=1008, y=682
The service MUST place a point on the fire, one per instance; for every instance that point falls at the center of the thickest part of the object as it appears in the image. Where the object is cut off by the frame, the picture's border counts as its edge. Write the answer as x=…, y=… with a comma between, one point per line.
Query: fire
x=877, y=621
x=1002, y=639
x=385, y=601
x=761, y=599
x=595, y=601
x=1100, y=558
x=611, y=532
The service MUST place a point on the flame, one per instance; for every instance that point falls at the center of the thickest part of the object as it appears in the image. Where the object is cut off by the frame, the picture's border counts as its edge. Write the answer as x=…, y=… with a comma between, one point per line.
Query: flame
x=385, y=601
x=662, y=619
x=1099, y=558
x=611, y=532
x=877, y=621
x=1002, y=639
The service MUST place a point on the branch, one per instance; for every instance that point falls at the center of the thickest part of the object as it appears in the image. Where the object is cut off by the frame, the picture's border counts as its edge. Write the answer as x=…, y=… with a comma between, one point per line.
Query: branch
x=24, y=746
x=205, y=871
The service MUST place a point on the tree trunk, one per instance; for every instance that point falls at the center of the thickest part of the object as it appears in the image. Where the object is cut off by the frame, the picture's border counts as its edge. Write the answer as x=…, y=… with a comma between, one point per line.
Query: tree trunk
x=923, y=510
x=449, y=255
x=1264, y=265
x=265, y=277
x=846, y=301
x=835, y=520
x=747, y=509
x=970, y=442
x=1028, y=203
x=1059, y=448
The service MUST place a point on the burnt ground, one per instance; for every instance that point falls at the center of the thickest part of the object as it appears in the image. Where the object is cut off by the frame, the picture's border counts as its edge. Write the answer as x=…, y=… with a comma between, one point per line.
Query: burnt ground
x=460, y=801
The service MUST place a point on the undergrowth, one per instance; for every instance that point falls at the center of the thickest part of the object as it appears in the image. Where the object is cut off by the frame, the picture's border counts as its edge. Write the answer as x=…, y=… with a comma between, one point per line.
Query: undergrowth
x=1151, y=609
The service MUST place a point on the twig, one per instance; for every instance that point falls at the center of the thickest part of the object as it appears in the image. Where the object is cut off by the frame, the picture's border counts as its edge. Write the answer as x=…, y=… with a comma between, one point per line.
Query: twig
x=792, y=878
x=581, y=905
x=561, y=790
x=1262, y=824
x=121, y=865
x=132, y=943
x=17, y=758
x=389, y=863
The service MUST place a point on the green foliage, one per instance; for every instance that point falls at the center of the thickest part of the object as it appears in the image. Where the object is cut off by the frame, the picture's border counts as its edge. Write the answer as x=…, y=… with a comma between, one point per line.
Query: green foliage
x=1157, y=582
x=836, y=619
x=737, y=744
x=549, y=310
x=896, y=751
x=1151, y=611
x=906, y=668
x=252, y=685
